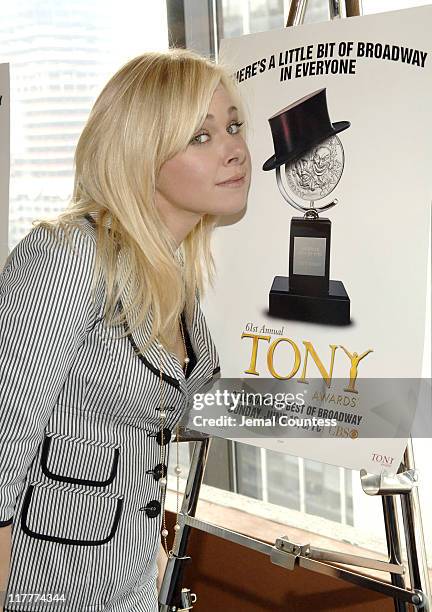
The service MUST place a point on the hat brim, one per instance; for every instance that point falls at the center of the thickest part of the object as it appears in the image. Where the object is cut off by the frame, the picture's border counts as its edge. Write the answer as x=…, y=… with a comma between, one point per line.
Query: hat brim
x=274, y=162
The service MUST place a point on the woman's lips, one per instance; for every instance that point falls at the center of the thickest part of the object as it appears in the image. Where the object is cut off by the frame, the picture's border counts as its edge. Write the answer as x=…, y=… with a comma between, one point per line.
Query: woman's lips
x=238, y=182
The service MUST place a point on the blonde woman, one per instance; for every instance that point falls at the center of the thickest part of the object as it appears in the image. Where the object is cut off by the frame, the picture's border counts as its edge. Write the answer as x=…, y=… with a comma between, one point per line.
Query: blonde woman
x=102, y=339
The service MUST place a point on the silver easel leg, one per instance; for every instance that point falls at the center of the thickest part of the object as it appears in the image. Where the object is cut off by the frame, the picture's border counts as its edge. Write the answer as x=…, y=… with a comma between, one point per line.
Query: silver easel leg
x=170, y=592
x=415, y=544
x=403, y=484
x=337, y=9
x=393, y=545
x=296, y=12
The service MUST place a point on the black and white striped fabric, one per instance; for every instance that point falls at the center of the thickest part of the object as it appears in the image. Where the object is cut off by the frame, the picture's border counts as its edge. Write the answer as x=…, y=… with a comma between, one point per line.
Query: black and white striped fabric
x=79, y=423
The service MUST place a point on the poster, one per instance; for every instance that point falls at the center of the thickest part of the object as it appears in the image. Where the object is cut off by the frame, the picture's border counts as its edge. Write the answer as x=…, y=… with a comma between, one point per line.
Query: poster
x=322, y=279
x=4, y=161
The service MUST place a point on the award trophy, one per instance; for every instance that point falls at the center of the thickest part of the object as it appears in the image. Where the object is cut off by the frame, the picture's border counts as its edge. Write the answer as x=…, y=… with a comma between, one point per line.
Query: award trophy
x=306, y=144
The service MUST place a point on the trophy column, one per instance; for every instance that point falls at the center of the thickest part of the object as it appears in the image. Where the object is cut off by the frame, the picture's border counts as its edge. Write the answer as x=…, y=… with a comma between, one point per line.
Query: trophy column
x=309, y=258
x=308, y=294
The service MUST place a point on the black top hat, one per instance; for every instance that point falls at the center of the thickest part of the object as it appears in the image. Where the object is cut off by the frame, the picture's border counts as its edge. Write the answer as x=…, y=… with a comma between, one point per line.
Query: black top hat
x=299, y=127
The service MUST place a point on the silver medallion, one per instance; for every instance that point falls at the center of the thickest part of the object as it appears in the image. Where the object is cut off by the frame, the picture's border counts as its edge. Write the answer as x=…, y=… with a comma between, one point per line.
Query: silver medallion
x=317, y=172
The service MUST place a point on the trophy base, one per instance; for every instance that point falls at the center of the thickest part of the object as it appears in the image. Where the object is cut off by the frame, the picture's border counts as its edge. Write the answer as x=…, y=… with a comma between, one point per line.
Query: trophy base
x=333, y=308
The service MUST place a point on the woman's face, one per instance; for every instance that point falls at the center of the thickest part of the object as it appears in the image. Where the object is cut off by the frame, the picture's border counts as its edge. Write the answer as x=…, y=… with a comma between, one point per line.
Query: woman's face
x=212, y=175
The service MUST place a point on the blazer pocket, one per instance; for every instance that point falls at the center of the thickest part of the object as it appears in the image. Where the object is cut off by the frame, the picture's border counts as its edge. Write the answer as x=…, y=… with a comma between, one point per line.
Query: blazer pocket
x=66, y=515
x=79, y=460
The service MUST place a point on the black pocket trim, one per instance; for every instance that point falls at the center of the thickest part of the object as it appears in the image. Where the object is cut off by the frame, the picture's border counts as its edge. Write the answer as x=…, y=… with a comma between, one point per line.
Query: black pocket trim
x=47, y=538
x=95, y=483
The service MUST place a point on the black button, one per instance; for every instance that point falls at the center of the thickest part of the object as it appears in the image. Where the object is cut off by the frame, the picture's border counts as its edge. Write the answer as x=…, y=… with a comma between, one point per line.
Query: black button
x=158, y=471
x=152, y=509
x=166, y=437
x=158, y=436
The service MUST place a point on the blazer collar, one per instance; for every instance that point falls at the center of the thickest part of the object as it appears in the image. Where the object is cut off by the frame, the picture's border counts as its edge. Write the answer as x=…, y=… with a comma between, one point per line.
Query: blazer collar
x=207, y=358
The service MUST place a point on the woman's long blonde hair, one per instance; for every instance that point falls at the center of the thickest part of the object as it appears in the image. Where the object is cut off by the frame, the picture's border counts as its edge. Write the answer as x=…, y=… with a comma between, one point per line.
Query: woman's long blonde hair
x=146, y=113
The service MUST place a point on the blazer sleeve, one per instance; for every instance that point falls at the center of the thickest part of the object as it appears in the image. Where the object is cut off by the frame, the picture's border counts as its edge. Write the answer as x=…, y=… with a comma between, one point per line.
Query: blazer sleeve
x=46, y=310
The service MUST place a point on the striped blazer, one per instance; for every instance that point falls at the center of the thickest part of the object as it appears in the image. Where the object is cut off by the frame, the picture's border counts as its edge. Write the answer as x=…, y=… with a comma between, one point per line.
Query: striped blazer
x=79, y=441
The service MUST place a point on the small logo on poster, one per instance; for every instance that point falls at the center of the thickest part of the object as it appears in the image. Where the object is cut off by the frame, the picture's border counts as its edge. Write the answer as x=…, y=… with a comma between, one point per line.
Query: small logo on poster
x=385, y=460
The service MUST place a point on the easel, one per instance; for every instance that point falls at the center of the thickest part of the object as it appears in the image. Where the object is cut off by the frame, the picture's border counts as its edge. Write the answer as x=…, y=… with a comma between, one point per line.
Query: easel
x=401, y=487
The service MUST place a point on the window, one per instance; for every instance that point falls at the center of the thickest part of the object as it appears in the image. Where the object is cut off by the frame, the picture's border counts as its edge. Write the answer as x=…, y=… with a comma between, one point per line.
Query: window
x=60, y=56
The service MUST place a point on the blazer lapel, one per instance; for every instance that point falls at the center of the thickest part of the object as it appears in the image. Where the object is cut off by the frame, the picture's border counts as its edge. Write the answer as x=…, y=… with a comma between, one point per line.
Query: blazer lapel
x=171, y=370
x=207, y=364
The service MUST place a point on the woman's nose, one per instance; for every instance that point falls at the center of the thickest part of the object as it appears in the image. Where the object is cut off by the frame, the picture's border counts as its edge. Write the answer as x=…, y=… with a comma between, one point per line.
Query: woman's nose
x=236, y=152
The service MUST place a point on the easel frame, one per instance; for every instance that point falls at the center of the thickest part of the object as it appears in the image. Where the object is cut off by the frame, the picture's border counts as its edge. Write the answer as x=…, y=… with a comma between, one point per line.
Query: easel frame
x=399, y=489
x=287, y=554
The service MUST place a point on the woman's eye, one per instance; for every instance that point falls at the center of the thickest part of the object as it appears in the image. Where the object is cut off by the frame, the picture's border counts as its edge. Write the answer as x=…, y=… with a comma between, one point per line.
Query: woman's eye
x=200, y=138
x=203, y=137
x=234, y=128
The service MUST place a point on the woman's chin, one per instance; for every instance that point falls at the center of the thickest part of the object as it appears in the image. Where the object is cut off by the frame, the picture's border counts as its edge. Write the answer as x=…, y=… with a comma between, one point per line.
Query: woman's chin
x=229, y=208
